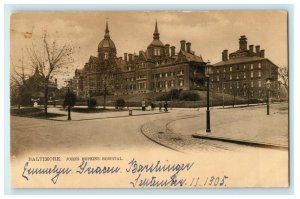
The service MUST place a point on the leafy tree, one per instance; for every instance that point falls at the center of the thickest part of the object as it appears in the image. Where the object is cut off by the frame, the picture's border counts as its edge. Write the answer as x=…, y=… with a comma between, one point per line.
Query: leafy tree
x=120, y=103
x=91, y=103
x=70, y=99
x=198, y=77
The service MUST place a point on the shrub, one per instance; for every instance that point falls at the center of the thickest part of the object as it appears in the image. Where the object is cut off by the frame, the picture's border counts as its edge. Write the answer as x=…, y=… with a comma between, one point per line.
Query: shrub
x=189, y=96
x=163, y=97
x=25, y=99
x=175, y=93
x=171, y=95
x=91, y=103
x=120, y=103
x=70, y=99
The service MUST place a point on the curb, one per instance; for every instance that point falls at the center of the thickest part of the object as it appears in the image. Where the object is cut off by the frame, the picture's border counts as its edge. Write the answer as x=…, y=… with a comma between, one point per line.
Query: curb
x=157, y=142
x=110, y=117
x=240, y=141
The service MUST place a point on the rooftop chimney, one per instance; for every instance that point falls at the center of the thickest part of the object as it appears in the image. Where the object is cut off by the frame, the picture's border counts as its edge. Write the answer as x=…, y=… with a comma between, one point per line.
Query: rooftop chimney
x=243, y=42
x=257, y=49
x=167, y=50
x=188, y=47
x=130, y=57
x=262, y=53
x=182, y=43
x=172, y=50
x=251, y=48
x=125, y=56
x=225, y=55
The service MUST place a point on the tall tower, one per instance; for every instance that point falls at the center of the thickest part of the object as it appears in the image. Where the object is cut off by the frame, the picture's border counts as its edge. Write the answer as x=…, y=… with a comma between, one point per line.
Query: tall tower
x=156, y=33
x=106, y=48
x=156, y=48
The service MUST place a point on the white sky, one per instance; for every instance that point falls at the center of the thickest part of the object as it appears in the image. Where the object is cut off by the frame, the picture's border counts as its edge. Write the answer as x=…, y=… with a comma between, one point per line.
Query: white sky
x=210, y=32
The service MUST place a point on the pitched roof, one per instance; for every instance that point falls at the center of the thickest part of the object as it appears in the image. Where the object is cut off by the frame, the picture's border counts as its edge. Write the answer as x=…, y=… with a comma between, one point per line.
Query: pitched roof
x=191, y=57
x=238, y=60
x=156, y=42
x=93, y=59
x=143, y=55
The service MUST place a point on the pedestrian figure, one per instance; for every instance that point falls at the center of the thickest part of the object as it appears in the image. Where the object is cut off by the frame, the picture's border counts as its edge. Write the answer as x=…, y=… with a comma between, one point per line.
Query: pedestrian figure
x=143, y=105
x=166, y=106
x=152, y=106
x=159, y=105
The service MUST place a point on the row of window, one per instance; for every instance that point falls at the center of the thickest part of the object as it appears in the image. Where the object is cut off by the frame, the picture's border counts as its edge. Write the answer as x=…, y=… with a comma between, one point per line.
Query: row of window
x=142, y=85
x=237, y=84
x=157, y=51
x=244, y=75
x=141, y=77
x=225, y=68
x=168, y=74
x=167, y=84
x=245, y=93
x=161, y=84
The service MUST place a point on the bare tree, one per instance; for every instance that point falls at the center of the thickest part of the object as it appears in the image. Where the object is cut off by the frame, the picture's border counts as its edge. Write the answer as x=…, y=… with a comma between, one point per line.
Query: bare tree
x=283, y=77
x=110, y=77
x=18, y=81
x=49, y=58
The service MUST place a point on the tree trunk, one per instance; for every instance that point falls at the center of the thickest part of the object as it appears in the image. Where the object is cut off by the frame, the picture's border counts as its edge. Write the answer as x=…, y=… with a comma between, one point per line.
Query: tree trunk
x=248, y=95
x=233, y=100
x=104, y=98
x=19, y=99
x=46, y=101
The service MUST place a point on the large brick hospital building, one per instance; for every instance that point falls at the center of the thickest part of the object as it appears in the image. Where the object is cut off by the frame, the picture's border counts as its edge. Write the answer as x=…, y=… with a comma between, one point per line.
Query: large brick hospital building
x=162, y=67
x=159, y=68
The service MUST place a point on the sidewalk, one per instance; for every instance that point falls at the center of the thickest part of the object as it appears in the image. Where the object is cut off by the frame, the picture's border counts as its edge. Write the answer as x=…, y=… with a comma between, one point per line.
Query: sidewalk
x=259, y=129
x=76, y=116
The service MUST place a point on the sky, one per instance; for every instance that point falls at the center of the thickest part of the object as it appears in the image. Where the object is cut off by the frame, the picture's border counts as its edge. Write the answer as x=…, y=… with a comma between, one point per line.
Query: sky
x=210, y=32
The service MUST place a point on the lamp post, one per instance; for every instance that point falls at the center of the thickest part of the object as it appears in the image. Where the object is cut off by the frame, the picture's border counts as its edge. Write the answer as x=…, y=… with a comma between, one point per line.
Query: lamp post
x=223, y=90
x=268, y=84
x=208, y=71
x=68, y=99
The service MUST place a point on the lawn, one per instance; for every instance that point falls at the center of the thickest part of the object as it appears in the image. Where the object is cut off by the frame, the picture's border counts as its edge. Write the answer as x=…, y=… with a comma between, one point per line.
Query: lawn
x=32, y=113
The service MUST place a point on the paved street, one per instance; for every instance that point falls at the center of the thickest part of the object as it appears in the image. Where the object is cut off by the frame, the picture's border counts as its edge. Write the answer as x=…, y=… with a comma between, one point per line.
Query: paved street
x=118, y=131
x=100, y=134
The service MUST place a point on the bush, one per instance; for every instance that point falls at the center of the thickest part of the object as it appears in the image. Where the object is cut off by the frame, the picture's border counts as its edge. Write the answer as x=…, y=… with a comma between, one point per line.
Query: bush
x=70, y=99
x=91, y=103
x=26, y=100
x=120, y=103
x=171, y=95
x=189, y=96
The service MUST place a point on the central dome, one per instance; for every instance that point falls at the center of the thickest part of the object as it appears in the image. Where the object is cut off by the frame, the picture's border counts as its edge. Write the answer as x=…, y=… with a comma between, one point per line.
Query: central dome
x=156, y=42
x=106, y=42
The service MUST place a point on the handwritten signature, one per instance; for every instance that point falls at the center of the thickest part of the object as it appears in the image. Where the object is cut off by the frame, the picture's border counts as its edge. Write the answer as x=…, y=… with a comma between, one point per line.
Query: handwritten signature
x=156, y=174
x=83, y=168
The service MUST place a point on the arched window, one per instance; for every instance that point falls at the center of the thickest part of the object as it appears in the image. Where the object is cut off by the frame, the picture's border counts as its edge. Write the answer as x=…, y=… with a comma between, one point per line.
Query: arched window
x=106, y=55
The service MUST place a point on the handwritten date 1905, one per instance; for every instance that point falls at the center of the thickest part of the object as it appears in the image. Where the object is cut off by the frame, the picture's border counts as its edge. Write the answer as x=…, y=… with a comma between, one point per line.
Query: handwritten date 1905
x=211, y=181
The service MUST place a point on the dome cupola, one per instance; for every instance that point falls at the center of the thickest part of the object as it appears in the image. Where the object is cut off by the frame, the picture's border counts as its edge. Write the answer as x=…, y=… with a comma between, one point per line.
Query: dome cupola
x=156, y=41
x=106, y=47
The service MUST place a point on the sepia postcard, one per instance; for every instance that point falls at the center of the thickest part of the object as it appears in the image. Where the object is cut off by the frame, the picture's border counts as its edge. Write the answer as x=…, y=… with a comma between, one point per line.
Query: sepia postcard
x=149, y=99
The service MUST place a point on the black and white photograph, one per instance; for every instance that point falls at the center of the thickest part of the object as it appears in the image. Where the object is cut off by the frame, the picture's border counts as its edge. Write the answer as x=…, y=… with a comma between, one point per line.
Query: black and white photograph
x=149, y=99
